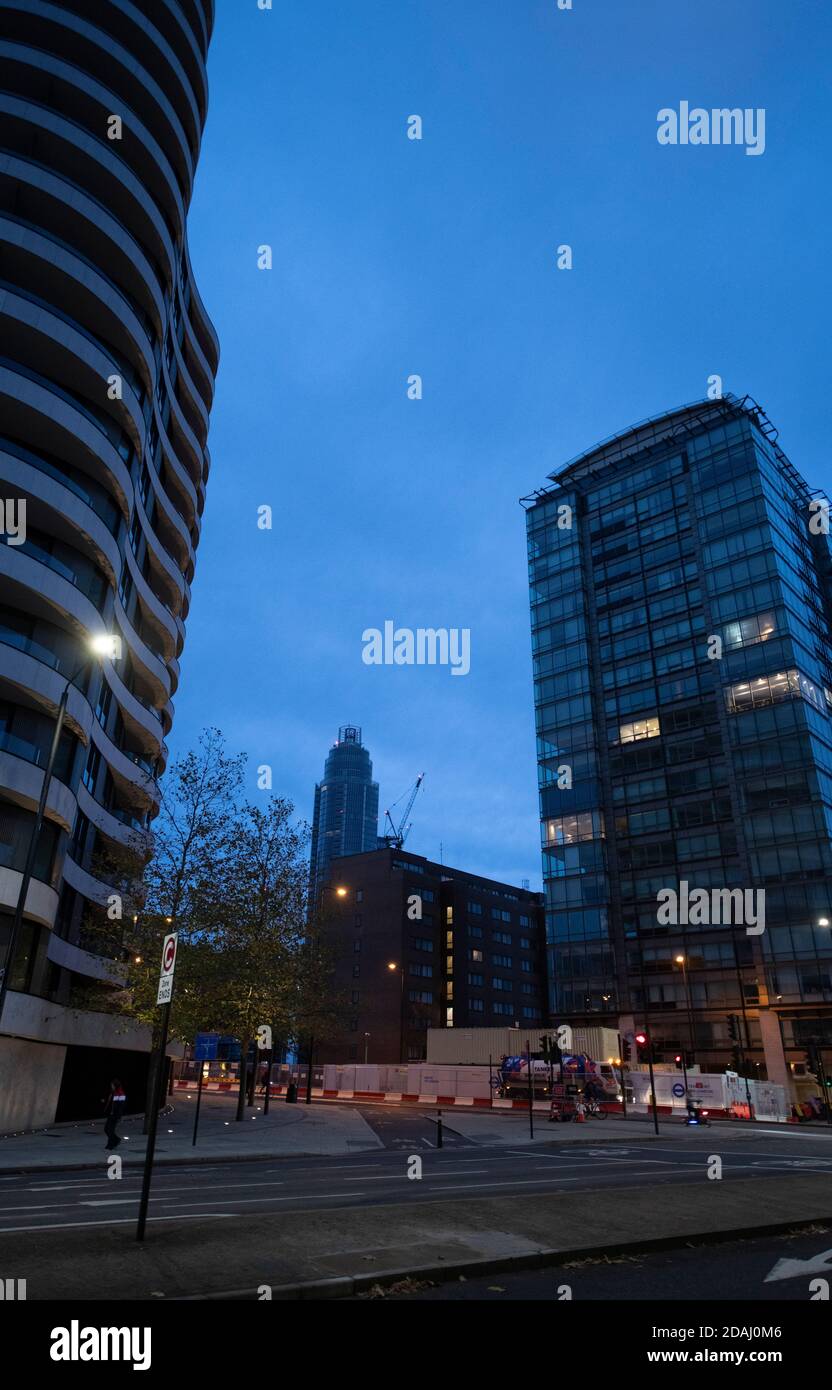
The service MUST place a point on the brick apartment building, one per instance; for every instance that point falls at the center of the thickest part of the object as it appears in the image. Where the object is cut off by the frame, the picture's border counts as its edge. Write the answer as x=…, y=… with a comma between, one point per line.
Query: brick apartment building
x=422, y=945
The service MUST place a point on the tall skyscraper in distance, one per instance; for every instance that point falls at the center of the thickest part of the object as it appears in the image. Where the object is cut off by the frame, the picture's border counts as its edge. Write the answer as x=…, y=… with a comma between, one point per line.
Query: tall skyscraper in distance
x=681, y=614
x=345, y=819
x=106, y=382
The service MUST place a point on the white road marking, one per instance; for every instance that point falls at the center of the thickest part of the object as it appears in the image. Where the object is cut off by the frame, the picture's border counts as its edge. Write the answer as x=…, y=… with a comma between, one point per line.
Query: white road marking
x=336, y=1167
x=790, y=1269
x=528, y=1182
x=403, y=1176
x=118, y=1221
x=792, y=1134
x=42, y=1206
x=113, y=1202
x=602, y=1163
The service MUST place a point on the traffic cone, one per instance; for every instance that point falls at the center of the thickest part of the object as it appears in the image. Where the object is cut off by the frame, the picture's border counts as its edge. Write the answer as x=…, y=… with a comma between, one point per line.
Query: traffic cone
x=580, y=1117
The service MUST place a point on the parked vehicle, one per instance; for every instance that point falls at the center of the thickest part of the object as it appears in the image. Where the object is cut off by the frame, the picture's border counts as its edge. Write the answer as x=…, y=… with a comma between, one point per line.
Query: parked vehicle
x=575, y=1069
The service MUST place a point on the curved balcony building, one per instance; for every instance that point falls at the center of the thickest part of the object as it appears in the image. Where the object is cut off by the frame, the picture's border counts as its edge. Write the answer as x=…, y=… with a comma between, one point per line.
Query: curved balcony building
x=107, y=366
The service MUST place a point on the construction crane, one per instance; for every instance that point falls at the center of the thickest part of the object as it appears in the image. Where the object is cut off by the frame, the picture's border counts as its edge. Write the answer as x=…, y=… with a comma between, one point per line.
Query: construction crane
x=397, y=834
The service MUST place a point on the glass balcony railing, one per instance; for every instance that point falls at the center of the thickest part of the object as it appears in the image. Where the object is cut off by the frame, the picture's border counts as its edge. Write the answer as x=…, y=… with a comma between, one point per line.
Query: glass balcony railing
x=49, y=235
x=128, y=372
x=93, y=586
x=99, y=418
x=30, y=647
x=103, y=506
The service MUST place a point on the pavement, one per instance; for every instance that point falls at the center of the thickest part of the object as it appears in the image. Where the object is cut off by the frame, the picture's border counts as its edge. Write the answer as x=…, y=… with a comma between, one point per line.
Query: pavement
x=339, y=1225
x=322, y=1128
x=286, y=1130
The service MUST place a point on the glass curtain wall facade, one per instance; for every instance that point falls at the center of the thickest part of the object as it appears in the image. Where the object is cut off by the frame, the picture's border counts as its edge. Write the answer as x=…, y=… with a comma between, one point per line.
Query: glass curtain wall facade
x=681, y=608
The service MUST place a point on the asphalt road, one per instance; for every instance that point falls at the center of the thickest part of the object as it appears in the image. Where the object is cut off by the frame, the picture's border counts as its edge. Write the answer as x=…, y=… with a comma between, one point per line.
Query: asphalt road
x=401, y=1128
x=203, y=1192
x=730, y=1271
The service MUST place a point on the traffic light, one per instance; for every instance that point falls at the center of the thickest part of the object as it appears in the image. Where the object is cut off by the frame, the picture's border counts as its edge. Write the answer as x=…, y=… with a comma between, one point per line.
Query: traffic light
x=733, y=1027
x=678, y=1060
x=626, y=1050
x=642, y=1046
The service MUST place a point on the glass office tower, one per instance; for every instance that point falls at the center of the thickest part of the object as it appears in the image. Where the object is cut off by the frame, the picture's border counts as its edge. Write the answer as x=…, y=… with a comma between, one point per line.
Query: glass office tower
x=345, y=819
x=681, y=608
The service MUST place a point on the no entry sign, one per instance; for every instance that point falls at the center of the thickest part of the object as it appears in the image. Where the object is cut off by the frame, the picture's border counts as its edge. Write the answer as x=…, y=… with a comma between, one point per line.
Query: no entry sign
x=168, y=966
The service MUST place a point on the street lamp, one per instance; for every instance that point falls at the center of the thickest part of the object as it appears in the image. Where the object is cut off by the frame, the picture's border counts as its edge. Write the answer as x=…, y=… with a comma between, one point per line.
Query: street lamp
x=102, y=645
x=366, y=1046
x=682, y=960
x=391, y=966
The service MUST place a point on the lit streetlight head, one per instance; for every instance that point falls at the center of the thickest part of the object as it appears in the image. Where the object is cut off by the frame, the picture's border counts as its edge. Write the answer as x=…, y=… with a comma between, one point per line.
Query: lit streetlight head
x=680, y=960
x=106, y=644
x=391, y=965
x=341, y=892
x=823, y=921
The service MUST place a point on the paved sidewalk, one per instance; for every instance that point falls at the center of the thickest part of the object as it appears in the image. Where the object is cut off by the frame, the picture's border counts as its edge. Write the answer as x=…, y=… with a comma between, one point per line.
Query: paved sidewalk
x=287, y=1130
x=512, y=1127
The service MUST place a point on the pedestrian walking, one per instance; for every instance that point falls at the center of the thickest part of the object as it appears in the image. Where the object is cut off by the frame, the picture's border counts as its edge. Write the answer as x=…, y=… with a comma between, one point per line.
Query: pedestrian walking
x=113, y=1111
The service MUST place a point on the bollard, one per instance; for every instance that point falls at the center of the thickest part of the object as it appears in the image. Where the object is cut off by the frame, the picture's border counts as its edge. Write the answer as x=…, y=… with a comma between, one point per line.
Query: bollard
x=439, y=1129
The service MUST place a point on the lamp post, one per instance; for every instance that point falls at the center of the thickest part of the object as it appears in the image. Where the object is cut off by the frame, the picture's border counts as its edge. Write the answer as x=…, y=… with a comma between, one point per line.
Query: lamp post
x=745, y=1028
x=391, y=965
x=682, y=960
x=366, y=1046
x=101, y=646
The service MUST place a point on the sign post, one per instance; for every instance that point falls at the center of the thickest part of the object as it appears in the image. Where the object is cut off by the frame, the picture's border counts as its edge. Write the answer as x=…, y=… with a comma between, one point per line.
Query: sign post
x=205, y=1050
x=264, y=1044
x=164, y=995
x=198, y=1102
x=623, y=1082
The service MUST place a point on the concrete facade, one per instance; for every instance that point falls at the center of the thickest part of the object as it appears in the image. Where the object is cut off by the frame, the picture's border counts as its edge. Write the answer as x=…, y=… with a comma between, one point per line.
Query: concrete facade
x=30, y=1082
x=106, y=384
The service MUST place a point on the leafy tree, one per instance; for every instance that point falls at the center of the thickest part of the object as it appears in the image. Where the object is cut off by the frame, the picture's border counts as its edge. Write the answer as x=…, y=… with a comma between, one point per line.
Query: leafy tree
x=232, y=881
x=263, y=913
x=175, y=889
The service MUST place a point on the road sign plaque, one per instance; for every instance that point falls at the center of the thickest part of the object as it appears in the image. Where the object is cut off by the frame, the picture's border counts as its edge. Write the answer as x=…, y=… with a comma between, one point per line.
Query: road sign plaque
x=165, y=990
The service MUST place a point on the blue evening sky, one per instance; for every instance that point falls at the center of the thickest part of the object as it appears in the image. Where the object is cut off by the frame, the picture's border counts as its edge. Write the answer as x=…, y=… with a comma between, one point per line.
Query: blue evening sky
x=438, y=257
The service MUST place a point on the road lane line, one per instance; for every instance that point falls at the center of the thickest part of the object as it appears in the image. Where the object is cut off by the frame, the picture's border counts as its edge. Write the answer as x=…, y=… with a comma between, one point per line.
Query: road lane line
x=42, y=1206
x=117, y=1221
x=336, y=1167
x=387, y=1177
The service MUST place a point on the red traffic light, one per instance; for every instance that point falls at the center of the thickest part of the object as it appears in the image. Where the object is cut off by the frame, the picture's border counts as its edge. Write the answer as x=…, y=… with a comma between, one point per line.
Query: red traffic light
x=678, y=1057
x=641, y=1038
